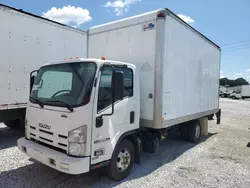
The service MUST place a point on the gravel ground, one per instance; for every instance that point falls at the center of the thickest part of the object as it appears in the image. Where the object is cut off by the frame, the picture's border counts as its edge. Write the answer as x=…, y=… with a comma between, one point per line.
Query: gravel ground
x=219, y=160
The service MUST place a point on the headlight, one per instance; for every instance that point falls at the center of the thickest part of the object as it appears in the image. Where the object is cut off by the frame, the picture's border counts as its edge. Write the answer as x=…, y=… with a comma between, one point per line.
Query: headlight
x=77, y=141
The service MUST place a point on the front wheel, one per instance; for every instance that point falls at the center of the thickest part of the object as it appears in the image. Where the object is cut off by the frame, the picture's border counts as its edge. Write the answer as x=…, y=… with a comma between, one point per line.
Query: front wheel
x=122, y=161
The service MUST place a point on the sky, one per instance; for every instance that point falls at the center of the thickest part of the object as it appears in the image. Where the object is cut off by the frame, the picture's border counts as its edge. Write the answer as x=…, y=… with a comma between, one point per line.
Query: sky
x=226, y=22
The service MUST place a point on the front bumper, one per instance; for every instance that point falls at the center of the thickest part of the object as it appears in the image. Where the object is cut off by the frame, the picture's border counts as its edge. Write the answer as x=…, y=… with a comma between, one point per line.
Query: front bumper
x=54, y=159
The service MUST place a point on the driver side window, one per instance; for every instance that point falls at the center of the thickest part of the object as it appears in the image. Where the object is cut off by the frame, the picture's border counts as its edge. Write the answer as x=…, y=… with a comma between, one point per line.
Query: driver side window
x=52, y=82
x=105, y=89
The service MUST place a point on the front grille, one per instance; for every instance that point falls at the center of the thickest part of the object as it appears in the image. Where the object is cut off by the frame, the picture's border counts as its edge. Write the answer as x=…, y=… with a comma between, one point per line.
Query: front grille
x=49, y=146
x=32, y=134
x=47, y=132
x=49, y=139
x=62, y=136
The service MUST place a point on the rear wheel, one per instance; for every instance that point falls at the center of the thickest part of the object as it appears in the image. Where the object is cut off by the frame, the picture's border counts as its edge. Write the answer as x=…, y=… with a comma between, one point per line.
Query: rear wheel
x=122, y=161
x=194, y=131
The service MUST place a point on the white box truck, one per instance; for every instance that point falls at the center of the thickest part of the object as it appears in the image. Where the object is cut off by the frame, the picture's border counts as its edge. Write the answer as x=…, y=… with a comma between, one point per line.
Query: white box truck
x=243, y=92
x=27, y=42
x=88, y=113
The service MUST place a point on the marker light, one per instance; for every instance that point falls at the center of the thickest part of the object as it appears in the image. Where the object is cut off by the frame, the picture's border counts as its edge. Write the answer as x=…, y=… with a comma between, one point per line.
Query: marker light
x=161, y=15
x=103, y=58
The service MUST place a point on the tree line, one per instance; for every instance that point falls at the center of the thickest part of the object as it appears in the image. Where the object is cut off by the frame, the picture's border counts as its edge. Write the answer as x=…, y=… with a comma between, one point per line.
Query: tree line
x=232, y=83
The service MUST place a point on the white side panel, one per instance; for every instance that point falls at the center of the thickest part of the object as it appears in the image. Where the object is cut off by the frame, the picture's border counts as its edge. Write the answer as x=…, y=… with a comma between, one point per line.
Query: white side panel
x=191, y=72
x=245, y=91
x=26, y=44
x=132, y=45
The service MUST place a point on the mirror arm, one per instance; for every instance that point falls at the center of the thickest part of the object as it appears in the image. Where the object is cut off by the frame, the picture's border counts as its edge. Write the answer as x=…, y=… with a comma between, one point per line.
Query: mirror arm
x=33, y=72
x=31, y=84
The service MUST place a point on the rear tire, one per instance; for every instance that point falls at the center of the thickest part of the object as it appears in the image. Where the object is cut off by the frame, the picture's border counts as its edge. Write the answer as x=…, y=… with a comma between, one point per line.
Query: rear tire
x=122, y=161
x=194, y=131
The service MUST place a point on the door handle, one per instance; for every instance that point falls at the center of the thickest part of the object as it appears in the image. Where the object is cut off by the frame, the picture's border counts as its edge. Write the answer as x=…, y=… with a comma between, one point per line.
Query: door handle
x=132, y=117
x=99, y=122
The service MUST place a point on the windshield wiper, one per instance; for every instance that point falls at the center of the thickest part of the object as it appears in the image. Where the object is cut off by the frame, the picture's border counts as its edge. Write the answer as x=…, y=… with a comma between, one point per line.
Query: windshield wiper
x=63, y=103
x=38, y=101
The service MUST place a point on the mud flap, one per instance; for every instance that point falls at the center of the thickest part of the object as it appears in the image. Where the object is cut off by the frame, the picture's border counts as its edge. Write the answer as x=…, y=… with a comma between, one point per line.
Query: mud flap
x=218, y=116
x=138, y=150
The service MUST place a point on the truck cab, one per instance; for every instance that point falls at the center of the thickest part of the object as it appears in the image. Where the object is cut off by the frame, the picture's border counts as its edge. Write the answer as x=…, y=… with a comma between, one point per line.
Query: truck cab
x=78, y=114
x=236, y=95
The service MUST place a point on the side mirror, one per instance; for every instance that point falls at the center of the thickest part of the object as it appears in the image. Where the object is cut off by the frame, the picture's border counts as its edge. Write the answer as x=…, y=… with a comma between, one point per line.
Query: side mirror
x=32, y=79
x=118, y=86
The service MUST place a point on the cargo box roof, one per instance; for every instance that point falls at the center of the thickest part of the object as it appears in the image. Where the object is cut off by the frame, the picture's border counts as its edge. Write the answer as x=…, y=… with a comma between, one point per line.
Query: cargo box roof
x=36, y=16
x=140, y=19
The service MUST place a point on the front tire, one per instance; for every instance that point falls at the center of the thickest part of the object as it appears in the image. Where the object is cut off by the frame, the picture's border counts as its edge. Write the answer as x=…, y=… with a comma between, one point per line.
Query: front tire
x=122, y=161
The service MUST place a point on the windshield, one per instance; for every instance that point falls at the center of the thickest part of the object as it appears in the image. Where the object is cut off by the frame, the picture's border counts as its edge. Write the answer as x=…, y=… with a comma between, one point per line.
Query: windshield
x=64, y=84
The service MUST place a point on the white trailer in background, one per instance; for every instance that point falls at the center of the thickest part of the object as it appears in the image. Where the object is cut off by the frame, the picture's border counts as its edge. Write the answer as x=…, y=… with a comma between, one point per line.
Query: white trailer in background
x=27, y=42
x=243, y=92
x=163, y=76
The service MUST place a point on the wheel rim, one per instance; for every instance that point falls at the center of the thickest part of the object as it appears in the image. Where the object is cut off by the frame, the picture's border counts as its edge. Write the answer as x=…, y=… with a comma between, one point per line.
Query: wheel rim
x=123, y=160
x=197, y=131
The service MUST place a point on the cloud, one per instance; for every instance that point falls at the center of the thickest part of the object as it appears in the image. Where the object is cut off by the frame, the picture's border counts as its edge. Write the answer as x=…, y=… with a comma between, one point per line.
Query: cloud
x=222, y=76
x=248, y=70
x=238, y=74
x=70, y=15
x=120, y=6
x=221, y=72
x=187, y=19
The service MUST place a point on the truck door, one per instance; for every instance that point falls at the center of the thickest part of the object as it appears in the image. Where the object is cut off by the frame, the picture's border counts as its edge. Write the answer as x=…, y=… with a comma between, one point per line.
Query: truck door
x=108, y=129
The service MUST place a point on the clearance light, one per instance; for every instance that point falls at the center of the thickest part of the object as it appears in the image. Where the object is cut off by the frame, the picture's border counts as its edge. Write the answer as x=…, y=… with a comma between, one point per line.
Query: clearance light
x=103, y=58
x=71, y=58
x=65, y=58
x=161, y=15
x=77, y=57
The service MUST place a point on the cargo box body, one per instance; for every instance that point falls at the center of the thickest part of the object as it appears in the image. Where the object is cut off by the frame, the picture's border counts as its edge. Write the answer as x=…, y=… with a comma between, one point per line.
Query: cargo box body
x=27, y=42
x=245, y=91
x=179, y=68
